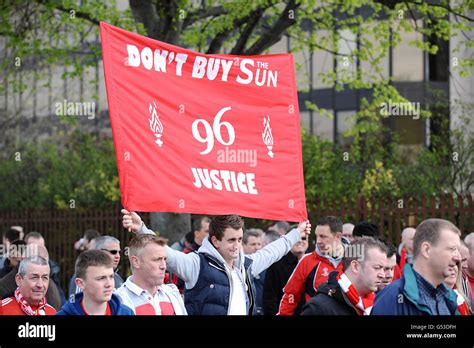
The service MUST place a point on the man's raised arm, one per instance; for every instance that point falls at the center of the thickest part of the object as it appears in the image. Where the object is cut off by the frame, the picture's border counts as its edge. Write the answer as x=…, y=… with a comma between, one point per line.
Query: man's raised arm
x=274, y=251
x=186, y=266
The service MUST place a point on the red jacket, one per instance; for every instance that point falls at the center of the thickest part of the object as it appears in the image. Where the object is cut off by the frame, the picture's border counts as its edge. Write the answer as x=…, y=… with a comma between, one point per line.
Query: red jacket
x=312, y=270
x=10, y=306
x=397, y=273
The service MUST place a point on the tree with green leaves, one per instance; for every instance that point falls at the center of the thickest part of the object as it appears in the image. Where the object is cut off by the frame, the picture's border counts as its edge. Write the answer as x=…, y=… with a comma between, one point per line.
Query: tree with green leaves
x=45, y=33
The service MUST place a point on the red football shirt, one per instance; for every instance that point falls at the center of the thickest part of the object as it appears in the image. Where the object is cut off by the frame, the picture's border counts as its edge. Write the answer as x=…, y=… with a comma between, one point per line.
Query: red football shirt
x=10, y=306
x=108, y=310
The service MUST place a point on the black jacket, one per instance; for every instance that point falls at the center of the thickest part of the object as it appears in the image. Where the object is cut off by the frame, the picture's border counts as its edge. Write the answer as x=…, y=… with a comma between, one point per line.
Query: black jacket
x=329, y=300
x=276, y=277
x=6, y=267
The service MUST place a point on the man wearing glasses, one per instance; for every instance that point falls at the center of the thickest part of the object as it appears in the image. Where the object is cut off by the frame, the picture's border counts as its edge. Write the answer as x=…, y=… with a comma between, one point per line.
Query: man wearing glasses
x=111, y=246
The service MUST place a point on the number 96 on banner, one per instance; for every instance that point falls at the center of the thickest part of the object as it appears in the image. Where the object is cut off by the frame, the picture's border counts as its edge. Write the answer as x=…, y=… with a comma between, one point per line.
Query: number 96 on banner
x=214, y=132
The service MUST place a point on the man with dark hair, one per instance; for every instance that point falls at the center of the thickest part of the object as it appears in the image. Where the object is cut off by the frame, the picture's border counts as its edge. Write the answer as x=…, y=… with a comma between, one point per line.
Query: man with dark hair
x=277, y=276
x=32, y=282
x=365, y=228
x=314, y=268
x=421, y=290
x=145, y=292
x=219, y=277
x=193, y=239
x=15, y=253
x=84, y=243
x=95, y=276
x=352, y=292
x=8, y=236
x=189, y=244
x=389, y=268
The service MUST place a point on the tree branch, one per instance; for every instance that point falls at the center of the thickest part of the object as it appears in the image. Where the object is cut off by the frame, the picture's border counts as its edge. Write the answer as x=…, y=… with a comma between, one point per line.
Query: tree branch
x=274, y=34
x=447, y=8
x=251, y=19
x=77, y=13
x=201, y=14
x=245, y=35
x=219, y=39
x=173, y=26
x=145, y=12
x=321, y=47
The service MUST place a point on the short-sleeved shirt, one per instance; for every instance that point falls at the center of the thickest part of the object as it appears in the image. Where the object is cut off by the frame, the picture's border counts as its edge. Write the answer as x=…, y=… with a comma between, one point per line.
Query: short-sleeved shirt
x=142, y=302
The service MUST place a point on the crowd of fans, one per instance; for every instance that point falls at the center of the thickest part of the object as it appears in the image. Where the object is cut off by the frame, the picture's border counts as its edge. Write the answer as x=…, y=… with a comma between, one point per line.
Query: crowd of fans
x=221, y=268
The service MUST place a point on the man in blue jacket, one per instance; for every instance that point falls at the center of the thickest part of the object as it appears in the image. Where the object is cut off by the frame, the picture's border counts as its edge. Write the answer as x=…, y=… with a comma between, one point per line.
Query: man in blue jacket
x=421, y=290
x=95, y=277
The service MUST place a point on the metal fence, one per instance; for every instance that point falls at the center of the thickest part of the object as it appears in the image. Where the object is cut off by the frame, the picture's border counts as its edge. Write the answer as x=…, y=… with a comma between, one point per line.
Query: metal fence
x=61, y=228
x=392, y=215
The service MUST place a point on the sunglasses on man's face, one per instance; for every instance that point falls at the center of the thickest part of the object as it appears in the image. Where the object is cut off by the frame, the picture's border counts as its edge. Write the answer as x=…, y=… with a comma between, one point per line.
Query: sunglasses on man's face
x=113, y=252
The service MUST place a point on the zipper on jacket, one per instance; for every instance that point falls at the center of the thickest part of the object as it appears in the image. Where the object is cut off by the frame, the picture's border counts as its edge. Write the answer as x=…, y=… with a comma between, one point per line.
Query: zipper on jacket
x=229, y=276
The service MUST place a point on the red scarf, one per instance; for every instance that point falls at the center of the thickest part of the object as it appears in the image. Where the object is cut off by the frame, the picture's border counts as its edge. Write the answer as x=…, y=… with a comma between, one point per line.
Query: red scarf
x=25, y=306
x=463, y=309
x=363, y=305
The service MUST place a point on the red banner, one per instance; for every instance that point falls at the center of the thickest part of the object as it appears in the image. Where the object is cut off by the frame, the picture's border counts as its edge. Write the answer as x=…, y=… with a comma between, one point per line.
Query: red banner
x=204, y=134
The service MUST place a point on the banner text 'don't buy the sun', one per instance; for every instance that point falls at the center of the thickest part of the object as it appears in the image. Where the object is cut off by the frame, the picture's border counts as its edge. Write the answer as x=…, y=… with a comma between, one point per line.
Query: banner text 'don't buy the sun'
x=203, y=134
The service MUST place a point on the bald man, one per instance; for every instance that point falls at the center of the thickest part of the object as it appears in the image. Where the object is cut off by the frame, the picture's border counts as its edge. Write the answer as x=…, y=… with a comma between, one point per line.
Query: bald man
x=405, y=250
x=347, y=229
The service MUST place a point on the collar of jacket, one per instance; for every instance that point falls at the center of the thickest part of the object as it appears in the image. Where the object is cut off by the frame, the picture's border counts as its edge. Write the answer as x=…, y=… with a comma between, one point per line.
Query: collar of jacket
x=333, y=260
x=210, y=250
x=333, y=289
x=412, y=293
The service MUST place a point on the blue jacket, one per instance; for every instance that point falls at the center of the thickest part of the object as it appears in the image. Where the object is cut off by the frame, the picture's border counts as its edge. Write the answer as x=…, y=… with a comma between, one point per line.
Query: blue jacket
x=402, y=298
x=75, y=308
x=211, y=294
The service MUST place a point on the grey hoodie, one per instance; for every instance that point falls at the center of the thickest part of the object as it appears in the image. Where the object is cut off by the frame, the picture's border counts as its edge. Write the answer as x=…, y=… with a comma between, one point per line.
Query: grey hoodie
x=333, y=260
x=187, y=266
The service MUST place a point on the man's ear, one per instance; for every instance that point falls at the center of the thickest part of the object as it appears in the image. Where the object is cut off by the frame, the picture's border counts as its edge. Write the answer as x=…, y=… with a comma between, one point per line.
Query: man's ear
x=355, y=266
x=18, y=279
x=135, y=261
x=80, y=283
x=214, y=241
x=425, y=249
x=338, y=236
